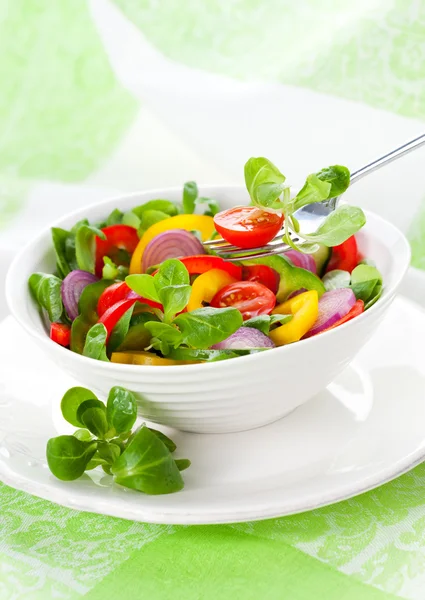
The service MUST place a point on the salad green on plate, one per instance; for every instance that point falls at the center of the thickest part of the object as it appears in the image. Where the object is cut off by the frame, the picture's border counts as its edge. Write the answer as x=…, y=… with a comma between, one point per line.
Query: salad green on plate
x=141, y=460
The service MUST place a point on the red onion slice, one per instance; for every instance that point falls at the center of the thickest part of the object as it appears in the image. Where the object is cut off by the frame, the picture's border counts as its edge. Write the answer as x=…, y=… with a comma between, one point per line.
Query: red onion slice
x=72, y=288
x=333, y=305
x=299, y=259
x=174, y=243
x=245, y=338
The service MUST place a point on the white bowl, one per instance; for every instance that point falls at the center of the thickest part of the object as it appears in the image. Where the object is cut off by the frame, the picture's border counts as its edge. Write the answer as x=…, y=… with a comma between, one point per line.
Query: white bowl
x=227, y=396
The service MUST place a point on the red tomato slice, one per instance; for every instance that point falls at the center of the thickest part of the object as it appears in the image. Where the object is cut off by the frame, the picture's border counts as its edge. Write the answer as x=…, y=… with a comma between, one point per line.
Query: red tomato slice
x=357, y=310
x=249, y=297
x=117, y=292
x=196, y=265
x=60, y=333
x=118, y=238
x=248, y=226
x=345, y=256
x=264, y=275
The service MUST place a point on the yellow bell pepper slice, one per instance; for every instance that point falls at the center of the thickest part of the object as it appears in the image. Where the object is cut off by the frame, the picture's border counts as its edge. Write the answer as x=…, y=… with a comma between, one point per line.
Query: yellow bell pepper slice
x=144, y=358
x=305, y=310
x=205, y=287
x=202, y=223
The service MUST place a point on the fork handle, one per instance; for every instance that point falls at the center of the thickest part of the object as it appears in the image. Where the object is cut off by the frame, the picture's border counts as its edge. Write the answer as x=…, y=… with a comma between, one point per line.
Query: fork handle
x=387, y=158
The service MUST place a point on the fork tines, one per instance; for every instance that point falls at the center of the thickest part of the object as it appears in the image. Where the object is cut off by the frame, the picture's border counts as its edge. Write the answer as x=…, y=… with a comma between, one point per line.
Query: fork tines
x=233, y=253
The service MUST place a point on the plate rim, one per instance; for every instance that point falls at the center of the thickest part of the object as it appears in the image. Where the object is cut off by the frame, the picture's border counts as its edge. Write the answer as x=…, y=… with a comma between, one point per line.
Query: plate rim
x=180, y=517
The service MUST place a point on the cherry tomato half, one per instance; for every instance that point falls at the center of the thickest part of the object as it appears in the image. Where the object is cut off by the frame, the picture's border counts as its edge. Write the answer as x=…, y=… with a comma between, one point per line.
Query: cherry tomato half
x=345, y=256
x=121, y=241
x=60, y=333
x=263, y=274
x=248, y=226
x=249, y=297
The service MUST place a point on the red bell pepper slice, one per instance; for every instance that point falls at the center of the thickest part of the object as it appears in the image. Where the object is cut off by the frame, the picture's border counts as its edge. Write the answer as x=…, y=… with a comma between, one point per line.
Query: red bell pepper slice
x=60, y=333
x=345, y=256
x=111, y=295
x=117, y=292
x=118, y=237
x=196, y=265
x=111, y=317
x=356, y=310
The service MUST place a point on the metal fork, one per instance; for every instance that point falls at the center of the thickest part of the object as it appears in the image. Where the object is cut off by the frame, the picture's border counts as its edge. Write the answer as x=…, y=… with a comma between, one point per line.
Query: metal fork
x=309, y=216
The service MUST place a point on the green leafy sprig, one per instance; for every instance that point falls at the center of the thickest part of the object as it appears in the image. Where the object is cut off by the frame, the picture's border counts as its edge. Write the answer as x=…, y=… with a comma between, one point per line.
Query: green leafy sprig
x=268, y=191
x=141, y=460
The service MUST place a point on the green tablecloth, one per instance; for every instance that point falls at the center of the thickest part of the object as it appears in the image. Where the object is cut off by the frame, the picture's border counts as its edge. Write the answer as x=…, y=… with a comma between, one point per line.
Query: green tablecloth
x=370, y=547
x=100, y=96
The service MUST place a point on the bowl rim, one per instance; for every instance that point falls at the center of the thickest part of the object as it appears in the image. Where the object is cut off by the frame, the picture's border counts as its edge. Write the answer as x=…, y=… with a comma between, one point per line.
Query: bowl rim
x=118, y=368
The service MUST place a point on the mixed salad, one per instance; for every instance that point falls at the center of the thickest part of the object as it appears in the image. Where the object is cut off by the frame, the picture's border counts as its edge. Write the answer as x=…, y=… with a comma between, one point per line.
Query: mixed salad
x=141, y=288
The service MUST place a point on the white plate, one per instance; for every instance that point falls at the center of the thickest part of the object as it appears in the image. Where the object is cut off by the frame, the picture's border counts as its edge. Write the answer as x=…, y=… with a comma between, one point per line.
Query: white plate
x=365, y=429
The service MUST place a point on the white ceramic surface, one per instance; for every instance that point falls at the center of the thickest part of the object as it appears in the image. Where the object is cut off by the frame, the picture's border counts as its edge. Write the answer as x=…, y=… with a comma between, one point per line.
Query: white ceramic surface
x=226, y=396
x=366, y=428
